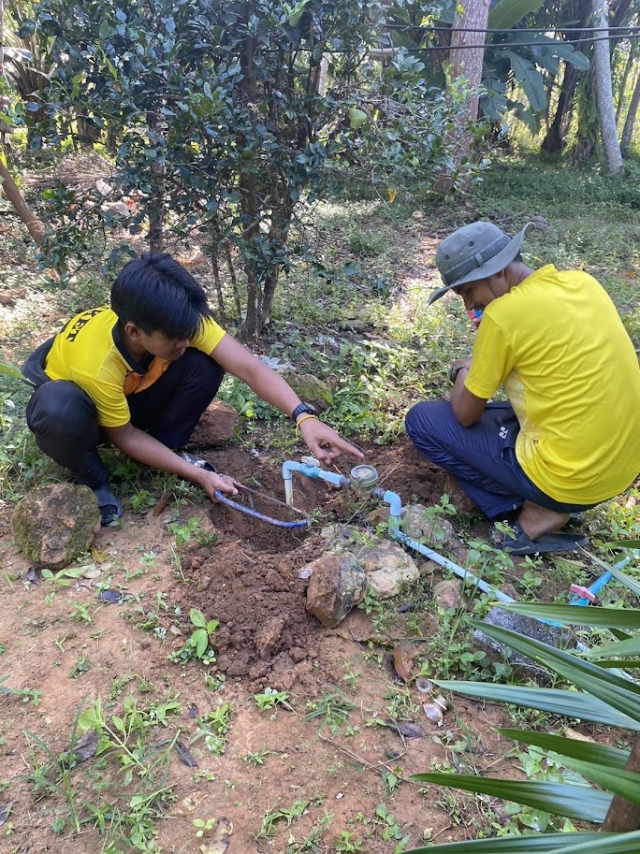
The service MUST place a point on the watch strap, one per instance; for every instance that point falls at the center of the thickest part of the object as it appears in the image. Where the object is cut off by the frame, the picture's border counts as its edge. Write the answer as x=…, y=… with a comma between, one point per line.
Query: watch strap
x=301, y=409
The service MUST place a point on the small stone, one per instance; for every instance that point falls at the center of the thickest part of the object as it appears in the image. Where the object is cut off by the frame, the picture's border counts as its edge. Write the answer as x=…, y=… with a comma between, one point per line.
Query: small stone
x=268, y=637
x=418, y=523
x=539, y=221
x=388, y=568
x=448, y=594
x=417, y=215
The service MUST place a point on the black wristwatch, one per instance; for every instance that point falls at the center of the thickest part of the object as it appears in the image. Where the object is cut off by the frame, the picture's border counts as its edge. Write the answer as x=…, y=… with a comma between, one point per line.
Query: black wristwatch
x=303, y=409
x=453, y=373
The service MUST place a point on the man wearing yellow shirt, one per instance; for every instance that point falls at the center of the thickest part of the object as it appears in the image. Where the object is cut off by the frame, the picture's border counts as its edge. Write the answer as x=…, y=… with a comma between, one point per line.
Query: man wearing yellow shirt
x=140, y=373
x=569, y=436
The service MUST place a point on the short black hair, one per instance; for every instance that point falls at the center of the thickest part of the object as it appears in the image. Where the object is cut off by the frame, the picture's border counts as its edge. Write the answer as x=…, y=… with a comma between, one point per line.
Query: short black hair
x=157, y=294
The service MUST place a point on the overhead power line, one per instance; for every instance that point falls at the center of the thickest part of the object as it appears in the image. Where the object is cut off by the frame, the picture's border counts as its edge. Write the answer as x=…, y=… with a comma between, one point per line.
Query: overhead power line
x=619, y=31
x=494, y=45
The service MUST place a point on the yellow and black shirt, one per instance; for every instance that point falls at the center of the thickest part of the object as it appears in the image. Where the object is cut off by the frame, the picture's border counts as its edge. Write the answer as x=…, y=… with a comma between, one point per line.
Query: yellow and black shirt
x=89, y=353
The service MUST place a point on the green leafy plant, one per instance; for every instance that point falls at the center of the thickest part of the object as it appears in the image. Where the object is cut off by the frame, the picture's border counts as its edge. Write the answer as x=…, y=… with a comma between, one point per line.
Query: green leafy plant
x=280, y=814
x=184, y=531
x=213, y=728
x=203, y=826
x=197, y=645
x=258, y=757
x=271, y=698
x=124, y=737
x=27, y=694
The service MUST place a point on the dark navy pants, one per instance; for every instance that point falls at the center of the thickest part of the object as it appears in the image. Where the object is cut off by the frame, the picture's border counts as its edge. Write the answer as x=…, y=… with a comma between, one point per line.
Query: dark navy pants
x=481, y=458
x=64, y=420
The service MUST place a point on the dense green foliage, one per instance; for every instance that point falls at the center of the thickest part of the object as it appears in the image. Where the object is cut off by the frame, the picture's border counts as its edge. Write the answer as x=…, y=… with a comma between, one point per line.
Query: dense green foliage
x=223, y=116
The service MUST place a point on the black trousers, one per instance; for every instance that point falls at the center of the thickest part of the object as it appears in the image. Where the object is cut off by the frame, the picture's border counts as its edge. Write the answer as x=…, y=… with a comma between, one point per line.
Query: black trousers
x=64, y=420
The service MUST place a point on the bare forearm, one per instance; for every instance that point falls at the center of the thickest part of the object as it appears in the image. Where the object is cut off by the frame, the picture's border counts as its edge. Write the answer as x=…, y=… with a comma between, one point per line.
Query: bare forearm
x=466, y=407
x=145, y=449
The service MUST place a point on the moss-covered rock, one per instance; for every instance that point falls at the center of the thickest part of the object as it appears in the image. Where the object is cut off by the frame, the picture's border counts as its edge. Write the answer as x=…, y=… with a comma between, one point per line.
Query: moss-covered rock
x=55, y=524
x=311, y=389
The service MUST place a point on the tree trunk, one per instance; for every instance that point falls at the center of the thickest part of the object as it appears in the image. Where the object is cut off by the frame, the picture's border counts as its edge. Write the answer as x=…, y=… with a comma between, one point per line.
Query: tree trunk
x=13, y=194
x=250, y=329
x=624, y=816
x=622, y=86
x=629, y=122
x=467, y=62
x=555, y=138
x=604, y=90
x=4, y=128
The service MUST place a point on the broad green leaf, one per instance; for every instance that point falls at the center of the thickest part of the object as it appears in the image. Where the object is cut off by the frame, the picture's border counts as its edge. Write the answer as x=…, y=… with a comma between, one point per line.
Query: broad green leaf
x=357, y=117
x=197, y=618
x=593, y=616
x=622, y=648
x=625, y=579
x=616, y=571
x=622, y=694
x=614, y=843
x=577, y=59
x=623, y=544
x=576, y=802
x=616, y=780
x=570, y=704
x=611, y=757
x=200, y=639
x=507, y=13
x=529, y=844
x=530, y=79
x=12, y=371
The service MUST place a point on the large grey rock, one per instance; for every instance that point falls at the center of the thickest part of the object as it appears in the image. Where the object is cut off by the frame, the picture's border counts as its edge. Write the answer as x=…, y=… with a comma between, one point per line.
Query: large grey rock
x=216, y=427
x=387, y=565
x=56, y=524
x=528, y=627
x=337, y=584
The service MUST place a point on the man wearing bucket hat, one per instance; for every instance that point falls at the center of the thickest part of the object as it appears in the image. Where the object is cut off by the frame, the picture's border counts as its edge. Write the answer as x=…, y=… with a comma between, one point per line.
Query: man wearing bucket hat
x=569, y=435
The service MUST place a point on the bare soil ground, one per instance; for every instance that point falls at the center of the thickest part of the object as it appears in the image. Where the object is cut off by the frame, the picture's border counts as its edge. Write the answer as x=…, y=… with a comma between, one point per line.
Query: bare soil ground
x=74, y=648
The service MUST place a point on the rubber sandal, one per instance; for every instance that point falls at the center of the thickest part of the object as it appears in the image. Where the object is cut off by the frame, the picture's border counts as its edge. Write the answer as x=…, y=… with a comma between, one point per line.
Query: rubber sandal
x=108, y=505
x=520, y=543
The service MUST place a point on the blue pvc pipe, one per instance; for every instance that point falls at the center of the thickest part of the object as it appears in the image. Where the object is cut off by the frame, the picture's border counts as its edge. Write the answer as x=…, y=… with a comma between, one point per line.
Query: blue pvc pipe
x=395, y=507
x=604, y=579
x=248, y=511
x=310, y=471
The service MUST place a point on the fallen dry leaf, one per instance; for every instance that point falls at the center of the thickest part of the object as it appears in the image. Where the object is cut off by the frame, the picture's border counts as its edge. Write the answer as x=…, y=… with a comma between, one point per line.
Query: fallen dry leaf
x=187, y=805
x=578, y=736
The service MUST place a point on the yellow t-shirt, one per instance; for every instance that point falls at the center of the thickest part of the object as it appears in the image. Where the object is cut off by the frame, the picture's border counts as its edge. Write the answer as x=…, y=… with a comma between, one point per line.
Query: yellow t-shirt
x=571, y=374
x=88, y=352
